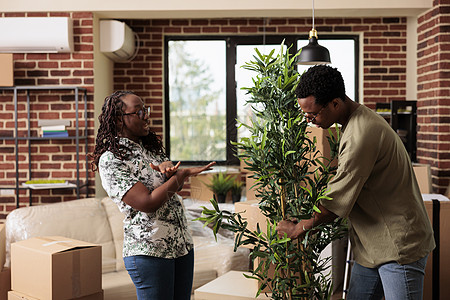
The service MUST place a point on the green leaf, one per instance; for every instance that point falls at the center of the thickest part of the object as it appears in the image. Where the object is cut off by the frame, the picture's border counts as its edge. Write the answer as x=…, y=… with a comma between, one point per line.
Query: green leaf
x=283, y=240
x=215, y=204
x=289, y=152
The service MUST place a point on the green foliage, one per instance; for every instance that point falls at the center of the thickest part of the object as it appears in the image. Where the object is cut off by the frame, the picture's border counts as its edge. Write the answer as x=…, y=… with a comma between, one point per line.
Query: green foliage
x=220, y=183
x=237, y=187
x=292, y=177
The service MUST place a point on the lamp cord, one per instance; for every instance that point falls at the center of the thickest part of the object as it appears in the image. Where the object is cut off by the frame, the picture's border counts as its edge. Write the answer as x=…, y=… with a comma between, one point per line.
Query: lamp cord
x=264, y=32
x=313, y=14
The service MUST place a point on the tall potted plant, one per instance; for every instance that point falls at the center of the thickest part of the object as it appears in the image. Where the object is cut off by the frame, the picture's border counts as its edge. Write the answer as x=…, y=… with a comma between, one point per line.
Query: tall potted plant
x=291, y=178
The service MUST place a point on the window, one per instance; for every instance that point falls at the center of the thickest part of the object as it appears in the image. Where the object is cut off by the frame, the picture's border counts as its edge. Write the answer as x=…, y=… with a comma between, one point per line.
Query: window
x=203, y=95
x=197, y=105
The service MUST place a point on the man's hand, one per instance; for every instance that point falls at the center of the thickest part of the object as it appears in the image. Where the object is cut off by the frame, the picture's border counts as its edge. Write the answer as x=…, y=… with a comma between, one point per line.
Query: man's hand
x=290, y=228
x=295, y=230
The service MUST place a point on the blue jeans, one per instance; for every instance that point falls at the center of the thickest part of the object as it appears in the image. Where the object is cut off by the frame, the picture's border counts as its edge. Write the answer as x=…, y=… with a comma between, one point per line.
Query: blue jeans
x=158, y=278
x=394, y=281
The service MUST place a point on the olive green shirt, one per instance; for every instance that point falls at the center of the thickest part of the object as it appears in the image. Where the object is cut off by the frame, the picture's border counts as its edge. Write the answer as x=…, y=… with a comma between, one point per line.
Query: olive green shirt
x=375, y=187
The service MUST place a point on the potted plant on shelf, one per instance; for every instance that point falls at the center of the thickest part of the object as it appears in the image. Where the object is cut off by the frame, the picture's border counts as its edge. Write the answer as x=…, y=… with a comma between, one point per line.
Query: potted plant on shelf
x=236, y=190
x=291, y=178
x=220, y=185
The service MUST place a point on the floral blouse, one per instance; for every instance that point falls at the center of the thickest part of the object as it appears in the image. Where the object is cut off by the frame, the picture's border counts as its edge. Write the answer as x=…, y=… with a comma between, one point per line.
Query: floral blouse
x=163, y=233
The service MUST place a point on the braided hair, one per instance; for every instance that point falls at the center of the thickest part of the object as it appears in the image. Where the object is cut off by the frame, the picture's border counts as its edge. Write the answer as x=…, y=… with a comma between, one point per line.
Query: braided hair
x=108, y=132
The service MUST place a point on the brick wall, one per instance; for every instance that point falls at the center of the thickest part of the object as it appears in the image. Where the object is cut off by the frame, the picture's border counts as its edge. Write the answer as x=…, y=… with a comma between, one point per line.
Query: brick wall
x=433, y=91
x=49, y=158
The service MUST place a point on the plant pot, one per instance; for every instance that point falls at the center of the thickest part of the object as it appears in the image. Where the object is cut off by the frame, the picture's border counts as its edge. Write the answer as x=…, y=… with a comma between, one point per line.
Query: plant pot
x=236, y=197
x=220, y=198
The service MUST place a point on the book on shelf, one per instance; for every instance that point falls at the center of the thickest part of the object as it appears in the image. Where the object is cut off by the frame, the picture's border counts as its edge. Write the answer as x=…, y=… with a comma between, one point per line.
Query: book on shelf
x=53, y=122
x=53, y=128
x=47, y=184
x=59, y=133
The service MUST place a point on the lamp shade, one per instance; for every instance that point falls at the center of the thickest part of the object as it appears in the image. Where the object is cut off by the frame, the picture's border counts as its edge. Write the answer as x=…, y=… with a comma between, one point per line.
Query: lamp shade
x=314, y=54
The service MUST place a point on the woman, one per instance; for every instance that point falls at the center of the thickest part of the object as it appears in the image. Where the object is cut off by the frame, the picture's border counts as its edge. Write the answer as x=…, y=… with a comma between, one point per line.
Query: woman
x=138, y=177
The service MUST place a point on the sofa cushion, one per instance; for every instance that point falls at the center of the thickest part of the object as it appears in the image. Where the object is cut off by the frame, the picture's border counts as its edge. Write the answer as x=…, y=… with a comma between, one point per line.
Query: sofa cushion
x=83, y=219
x=115, y=218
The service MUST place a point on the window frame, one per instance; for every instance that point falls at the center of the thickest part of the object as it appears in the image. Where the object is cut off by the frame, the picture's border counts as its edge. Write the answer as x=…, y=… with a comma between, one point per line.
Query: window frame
x=230, y=94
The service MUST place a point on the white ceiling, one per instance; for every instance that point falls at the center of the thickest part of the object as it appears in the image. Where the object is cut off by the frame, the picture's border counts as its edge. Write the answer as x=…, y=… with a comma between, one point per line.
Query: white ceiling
x=158, y=9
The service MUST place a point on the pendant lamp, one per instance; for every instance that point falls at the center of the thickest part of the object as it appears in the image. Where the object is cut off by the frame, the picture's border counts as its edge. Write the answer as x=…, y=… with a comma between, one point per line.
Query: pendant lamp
x=313, y=53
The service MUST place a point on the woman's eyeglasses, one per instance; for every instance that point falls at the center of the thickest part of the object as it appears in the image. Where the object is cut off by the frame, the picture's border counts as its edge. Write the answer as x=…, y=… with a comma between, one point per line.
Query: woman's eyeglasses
x=140, y=113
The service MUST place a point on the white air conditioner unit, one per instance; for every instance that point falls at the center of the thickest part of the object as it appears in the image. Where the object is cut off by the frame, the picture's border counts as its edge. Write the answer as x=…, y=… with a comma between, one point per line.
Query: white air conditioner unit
x=36, y=35
x=117, y=40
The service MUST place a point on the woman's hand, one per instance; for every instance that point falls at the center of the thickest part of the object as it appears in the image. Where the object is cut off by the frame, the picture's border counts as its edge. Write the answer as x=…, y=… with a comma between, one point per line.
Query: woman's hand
x=197, y=170
x=184, y=173
x=166, y=168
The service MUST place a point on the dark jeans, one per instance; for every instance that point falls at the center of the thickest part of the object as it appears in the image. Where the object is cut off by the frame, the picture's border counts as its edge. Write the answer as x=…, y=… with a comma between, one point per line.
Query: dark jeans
x=391, y=280
x=158, y=278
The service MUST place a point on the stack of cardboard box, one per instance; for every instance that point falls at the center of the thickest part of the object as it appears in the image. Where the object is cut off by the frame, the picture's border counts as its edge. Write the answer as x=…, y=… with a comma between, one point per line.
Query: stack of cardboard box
x=55, y=268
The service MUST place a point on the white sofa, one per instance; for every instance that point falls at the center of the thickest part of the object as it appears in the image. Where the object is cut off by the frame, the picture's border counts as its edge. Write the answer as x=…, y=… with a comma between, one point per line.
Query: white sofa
x=99, y=221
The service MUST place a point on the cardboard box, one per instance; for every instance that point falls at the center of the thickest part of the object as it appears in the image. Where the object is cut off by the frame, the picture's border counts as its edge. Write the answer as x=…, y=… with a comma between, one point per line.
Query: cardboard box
x=249, y=188
x=14, y=295
x=5, y=283
x=242, y=166
x=251, y=212
x=56, y=267
x=199, y=190
x=270, y=274
x=437, y=272
x=230, y=286
x=423, y=176
x=327, y=252
x=7, y=73
x=321, y=136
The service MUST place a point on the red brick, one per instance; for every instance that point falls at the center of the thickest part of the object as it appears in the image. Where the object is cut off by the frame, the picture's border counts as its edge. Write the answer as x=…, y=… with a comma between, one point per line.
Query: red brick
x=37, y=14
x=210, y=29
x=192, y=30
x=285, y=29
x=219, y=22
x=361, y=28
x=228, y=29
x=15, y=14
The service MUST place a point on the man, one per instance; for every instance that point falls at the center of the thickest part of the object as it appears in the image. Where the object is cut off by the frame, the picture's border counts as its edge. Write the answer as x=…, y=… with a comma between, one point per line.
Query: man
x=374, y=187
